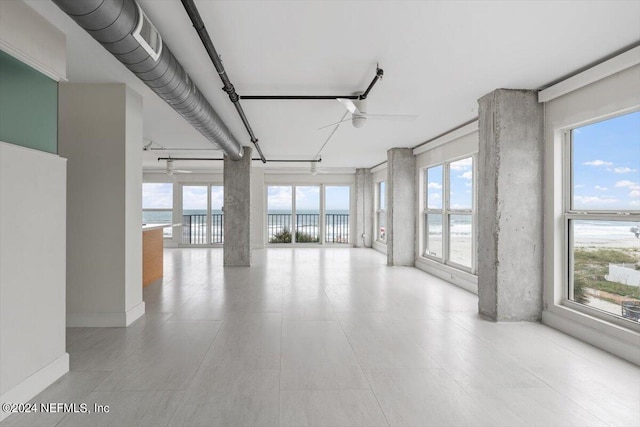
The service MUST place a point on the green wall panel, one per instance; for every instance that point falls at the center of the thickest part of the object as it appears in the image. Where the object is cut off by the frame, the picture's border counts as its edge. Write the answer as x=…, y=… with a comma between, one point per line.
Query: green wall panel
x=28, y=106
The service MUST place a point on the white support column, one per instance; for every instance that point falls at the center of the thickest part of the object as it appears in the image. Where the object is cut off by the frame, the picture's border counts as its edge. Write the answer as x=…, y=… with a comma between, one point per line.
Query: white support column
x=100, y=133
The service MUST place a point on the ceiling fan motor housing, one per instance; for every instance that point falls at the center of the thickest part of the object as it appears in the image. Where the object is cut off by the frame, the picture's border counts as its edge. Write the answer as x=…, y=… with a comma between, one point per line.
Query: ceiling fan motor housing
x=359, y=118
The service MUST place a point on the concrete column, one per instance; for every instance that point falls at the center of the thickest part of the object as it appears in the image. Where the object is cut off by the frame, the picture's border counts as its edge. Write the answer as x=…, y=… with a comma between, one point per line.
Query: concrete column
x=237, y=210
x=100, y=133
x=401, y=215
x=364, y=209
x=510, y=206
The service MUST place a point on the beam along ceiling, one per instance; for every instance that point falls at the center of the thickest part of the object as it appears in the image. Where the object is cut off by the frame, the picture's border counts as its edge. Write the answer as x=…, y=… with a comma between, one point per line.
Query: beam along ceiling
x=439, y=58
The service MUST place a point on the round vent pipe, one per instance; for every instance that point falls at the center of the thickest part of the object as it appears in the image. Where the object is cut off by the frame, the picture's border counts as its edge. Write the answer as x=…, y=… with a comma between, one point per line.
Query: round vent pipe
x=124, y=30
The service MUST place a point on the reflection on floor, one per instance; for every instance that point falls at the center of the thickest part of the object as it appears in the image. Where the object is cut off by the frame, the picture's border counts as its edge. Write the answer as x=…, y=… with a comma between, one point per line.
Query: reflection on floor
x=330, y=337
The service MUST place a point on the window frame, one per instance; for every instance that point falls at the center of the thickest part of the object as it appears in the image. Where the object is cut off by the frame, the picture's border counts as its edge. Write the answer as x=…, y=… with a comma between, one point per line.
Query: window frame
x=570, y=214
x=380, y=211
x=446, y=211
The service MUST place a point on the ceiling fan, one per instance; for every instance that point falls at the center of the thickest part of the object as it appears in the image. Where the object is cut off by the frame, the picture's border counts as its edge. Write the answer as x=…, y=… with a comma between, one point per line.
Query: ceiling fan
x=359, y=115
x=172, y=171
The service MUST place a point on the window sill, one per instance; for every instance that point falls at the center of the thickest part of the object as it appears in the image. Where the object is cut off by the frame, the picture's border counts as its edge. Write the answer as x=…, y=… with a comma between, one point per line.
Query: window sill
x=460, y=278
x=615, y=339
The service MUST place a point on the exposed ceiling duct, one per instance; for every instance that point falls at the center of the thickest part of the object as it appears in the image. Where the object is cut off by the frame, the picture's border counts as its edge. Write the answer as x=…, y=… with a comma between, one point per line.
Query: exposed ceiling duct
x=124, y=30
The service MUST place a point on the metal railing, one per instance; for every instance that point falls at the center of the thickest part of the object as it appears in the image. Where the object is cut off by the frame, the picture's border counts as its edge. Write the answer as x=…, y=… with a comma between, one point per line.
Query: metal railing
x=278, y=225
x=337, y=228
x=307, y=228
x=194, y=229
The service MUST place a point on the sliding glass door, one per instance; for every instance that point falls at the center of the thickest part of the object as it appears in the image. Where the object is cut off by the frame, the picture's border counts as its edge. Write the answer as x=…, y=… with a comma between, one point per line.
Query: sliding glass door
x=202, y=216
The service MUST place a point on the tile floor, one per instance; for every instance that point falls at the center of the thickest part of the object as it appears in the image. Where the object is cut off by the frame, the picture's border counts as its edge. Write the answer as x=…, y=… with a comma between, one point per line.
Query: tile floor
x=330, y=337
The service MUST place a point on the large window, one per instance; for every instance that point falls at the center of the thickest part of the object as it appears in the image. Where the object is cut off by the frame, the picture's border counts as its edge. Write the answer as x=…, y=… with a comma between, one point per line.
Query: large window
x=157, y=205
x=381, y=212
x=602, y=212
x=301, y=208
x=448, y=214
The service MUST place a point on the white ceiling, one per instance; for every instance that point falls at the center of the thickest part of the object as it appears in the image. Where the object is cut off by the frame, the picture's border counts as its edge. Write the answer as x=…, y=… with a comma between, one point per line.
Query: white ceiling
x=439, y=57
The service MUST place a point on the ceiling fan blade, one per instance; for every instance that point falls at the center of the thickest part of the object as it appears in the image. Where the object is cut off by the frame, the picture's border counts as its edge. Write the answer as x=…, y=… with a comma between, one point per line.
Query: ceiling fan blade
x=349, y=105
x=405, y=117
x=336, y=123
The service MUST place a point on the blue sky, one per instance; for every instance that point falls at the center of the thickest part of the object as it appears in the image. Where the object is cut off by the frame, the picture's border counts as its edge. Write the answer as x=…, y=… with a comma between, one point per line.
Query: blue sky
x=460, y=184
x=606, y=164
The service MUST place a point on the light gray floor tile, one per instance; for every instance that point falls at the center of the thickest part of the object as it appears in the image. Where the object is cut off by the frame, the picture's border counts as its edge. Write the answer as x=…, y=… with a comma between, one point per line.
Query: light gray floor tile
x=71, y=388
x=337, y=408
x=166, y=363
x=250, y=340
x=421, y=398
x=127, y=409
x=230, y=397
x=330, y=337
x=317, y=355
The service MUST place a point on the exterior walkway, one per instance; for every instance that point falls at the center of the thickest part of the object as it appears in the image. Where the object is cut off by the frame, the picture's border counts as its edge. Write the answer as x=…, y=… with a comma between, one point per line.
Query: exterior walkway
x=330, y=337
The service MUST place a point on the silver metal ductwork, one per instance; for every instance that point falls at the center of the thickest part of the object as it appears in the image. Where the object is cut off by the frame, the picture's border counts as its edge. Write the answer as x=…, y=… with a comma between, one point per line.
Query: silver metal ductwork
x=124, y=30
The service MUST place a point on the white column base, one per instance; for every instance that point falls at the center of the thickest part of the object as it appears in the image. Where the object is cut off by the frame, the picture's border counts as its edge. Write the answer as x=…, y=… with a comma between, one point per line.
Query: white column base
x=36, y=383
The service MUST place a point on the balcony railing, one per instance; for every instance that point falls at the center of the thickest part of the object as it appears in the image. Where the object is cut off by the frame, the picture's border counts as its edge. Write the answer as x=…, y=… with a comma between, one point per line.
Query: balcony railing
x=307, y=228
x=194, y=229
x=337, y=228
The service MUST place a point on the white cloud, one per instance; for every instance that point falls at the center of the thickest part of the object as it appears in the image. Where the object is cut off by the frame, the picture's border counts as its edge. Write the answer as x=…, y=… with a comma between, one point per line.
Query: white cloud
x=467, y=175
x=434, y=196
x=634, y=203
x=635, y=193
x=595, y=200
x=578, y=186
x=597, y=187
x=628, y=184
x=157, y=195
x=434, y=185
x=462, y=165
x=624, y=170
x=598, y=163
x=279, y=197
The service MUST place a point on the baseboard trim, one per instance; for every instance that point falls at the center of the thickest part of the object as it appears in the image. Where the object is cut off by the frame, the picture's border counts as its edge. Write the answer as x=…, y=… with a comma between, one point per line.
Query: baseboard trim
x=105, y=320
x=464, y=280
x=135, y=313
x=36, y=383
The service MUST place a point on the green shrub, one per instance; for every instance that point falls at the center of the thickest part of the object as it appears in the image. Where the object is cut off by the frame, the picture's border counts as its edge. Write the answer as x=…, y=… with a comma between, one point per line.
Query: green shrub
x=590, y=267
x=284, y=236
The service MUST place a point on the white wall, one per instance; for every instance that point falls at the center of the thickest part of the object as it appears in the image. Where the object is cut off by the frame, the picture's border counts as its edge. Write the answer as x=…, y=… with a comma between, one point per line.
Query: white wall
x=32, y=272
x=29, y=37
x=609, y=96
x=32, y=229
x=133, y=203
x=100, y=133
